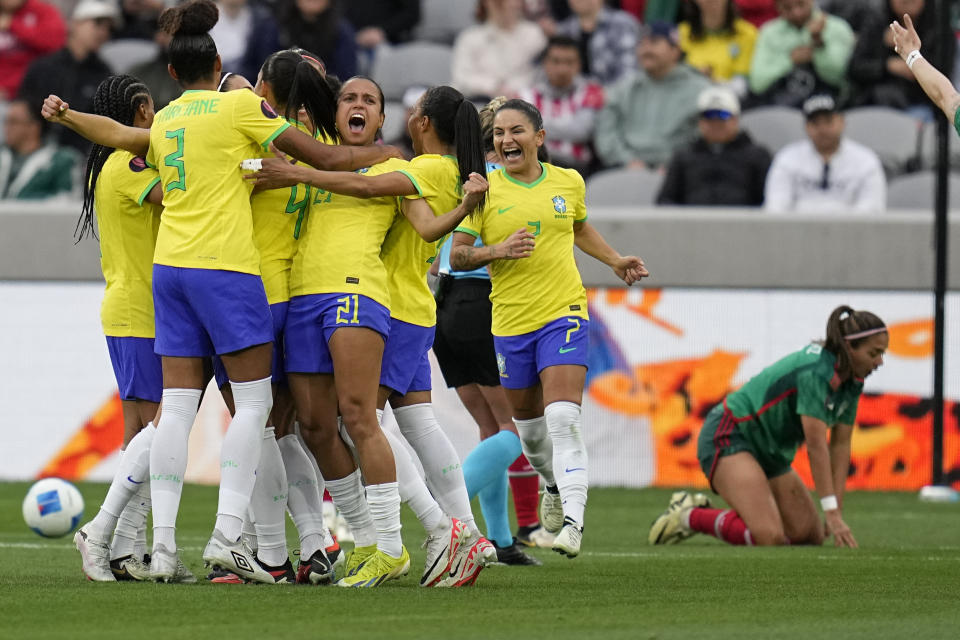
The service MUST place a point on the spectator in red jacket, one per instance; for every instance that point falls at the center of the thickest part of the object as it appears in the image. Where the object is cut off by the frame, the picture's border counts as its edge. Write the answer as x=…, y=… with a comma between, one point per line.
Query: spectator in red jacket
x=757, y=11
x=28, y=29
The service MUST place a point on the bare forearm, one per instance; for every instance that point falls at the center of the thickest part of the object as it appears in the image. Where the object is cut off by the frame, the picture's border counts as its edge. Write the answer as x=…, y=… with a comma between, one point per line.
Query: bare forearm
x=937, y=86
x=329, y=157
x=840, y=466
x=430, y=227
x=589, y=240
x=469, y=257
x=107, y=131
x=820, y=468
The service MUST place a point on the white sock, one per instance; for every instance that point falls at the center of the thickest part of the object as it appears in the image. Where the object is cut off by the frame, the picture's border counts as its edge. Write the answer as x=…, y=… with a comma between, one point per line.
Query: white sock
x=269, y=502
x=248, y=529
x=537, y=446
x=132, y=524
x=303, y=495
x=569, y=457
x=412, y=489
x=134, y=469
x=348, y=496
x=441, y=464
x=241, y=453
x=168, y=461
x=140, y=546
x=384, y=502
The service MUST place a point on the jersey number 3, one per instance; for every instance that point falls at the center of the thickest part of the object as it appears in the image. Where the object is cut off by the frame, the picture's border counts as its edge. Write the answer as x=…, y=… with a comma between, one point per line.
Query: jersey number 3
x=175, y=161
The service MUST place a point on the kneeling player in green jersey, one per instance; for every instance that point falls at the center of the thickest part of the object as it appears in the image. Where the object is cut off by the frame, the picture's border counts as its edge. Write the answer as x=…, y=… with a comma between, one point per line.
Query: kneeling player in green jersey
x=748, y=442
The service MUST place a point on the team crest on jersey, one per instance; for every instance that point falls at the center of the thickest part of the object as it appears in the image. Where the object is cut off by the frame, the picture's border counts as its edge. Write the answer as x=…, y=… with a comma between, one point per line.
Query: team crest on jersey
x=267, y=109
x=502, y=365
x=364, y=170
x=137, y=164
x=559, y=204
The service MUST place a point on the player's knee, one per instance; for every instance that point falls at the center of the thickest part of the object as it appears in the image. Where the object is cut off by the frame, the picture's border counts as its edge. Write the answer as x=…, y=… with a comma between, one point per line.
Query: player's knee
x=768, y=535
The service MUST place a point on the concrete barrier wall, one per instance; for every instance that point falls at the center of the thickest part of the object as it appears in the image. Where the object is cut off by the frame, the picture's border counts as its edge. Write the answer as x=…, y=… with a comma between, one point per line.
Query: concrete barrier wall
x=693, y=247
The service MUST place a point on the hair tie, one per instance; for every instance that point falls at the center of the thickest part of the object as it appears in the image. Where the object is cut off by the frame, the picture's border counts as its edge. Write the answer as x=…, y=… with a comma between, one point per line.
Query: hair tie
x=223, y=80
x=312, y=59
x=864, y=334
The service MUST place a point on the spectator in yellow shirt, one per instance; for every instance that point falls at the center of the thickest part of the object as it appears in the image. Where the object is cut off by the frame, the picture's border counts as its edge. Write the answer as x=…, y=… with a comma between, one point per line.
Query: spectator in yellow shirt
x=718, y=42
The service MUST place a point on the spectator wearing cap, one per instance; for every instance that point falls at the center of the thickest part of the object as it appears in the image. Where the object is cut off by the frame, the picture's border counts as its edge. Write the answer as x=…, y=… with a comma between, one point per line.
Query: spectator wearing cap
x=653, y=111
x=498, y=55
x=74, y=71
x=28, y=29
x=723, y=167
x=802, y=53
x=30, y=167
x=827, y=173
x=607, y=39
x=569, y=103
x=718, y=42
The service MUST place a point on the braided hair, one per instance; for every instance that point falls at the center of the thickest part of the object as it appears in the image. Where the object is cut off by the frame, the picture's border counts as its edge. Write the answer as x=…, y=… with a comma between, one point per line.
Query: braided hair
x=117, y=97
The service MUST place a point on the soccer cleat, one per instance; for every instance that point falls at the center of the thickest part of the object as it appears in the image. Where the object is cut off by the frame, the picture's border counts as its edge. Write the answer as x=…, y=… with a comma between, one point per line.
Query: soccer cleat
x=166, y=566
x=321, y=567
x=512, y=555
x=569, y=538
x=468, y=563
x=129, y=568
x=378, y=568
x=219, y=575
x=535, y=537
x=671, y=526
x=282, y=574
x=358, y=557
x=551, y=512
x=95, y=555
x=441, y=550
x=336, y=522
x=236, y=557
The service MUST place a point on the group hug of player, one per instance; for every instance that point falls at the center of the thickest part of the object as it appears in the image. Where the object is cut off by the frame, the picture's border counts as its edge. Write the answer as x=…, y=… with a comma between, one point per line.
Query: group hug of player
x=307, y=300
x=301, y=287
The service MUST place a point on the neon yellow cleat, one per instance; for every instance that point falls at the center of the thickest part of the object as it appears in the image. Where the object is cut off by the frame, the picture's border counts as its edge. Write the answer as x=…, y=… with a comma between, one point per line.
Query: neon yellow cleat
x=378, y=569
x=357, y=558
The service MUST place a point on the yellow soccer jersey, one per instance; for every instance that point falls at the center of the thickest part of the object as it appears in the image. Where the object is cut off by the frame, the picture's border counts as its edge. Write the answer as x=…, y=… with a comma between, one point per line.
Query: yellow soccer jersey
x=339, y=251
x=405, y=254
x=531, y=292
x=128, y=233
x=724, y=55
x=278, y=218
x=197, y=143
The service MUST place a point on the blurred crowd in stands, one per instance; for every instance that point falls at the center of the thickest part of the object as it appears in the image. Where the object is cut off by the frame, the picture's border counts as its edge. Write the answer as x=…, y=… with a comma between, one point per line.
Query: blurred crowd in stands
x=781, y=104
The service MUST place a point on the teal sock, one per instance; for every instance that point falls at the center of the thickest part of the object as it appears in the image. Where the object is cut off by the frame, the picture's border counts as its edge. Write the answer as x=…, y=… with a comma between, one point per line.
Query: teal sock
x=493, y=505
x=489, y=460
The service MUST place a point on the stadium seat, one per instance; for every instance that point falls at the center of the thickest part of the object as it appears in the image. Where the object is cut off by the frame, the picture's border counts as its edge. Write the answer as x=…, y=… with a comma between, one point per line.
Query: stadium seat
x=918, y=191
x=623, y=187
x=407, y=65
x=126, y=53
x=928, y=147
x=394, y=121
x=892, y=134
x=442, y=20
x=773, y=127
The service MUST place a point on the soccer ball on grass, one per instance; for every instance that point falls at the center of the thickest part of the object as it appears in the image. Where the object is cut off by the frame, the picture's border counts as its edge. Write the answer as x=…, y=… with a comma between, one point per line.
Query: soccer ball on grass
x=53, y=507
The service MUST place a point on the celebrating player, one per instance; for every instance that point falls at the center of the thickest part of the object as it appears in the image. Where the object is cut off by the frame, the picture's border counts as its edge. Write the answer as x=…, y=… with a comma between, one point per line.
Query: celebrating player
x=540, y=306
x=748, y=442
x=936, y=85
x=123, y=193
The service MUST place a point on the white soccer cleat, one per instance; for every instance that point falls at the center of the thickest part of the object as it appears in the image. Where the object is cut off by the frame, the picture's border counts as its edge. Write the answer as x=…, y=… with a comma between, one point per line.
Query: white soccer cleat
x=441, y=550
x=536, y=537
x=568, y=540
x=468, y=563
x=130, y=568
x=671, y=526
x=95, y=555
x=236, y=557
x=166, y=566
x=336, y=522
x=551, y=512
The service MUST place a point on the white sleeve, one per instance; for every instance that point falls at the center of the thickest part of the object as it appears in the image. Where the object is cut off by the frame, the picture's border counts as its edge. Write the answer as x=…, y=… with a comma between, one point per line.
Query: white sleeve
x=778, y=196
x=872, y=193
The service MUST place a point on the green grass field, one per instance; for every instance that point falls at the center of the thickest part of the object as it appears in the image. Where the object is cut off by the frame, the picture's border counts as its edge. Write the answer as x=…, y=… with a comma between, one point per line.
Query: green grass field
x=904, y=581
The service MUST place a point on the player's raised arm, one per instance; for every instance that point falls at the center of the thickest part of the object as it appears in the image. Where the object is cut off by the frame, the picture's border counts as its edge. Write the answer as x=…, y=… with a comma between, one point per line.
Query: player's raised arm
x=936, y=85
x=432, y=227
x=332, y=157
x=97, y=129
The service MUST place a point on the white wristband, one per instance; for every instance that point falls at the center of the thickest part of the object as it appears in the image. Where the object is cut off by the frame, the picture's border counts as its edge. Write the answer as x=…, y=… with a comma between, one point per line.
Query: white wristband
x=829, y=503
x=912, y=57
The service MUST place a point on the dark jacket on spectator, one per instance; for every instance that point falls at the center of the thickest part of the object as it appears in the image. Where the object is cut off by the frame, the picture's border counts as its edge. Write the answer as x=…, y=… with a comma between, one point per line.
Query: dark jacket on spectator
x=397, y=18
x=328, y=35
x=872, y=83
x=732, y=174
x=264, y=39
x=73, y=80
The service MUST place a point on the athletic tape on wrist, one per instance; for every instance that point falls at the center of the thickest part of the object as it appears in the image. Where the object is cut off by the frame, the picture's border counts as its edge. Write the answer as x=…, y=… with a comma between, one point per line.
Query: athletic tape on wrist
x=912, y=57
x=829, y=503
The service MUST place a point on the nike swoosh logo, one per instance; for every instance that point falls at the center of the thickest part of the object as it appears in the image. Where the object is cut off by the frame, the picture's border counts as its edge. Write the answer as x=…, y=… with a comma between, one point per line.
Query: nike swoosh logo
x=567, y=349
x=505, y=209
x=575, y=469
x=134, y=481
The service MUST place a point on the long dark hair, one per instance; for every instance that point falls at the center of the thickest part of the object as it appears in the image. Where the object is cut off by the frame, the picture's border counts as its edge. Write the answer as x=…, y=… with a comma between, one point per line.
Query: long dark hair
x=192, y=52
x=694, y=16
x=296, y=83
x=457, y=123
x=117, y=97
x=845, y=321
x=533, y=116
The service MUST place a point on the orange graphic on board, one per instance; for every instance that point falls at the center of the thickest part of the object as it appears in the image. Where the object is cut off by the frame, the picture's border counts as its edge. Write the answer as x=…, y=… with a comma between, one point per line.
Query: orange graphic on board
x=96, y=440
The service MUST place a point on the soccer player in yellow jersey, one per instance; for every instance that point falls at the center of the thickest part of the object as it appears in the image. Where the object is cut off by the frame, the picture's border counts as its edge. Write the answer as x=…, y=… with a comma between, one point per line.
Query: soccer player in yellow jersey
x=207, y=292
x=124, y=194
x=534, y=216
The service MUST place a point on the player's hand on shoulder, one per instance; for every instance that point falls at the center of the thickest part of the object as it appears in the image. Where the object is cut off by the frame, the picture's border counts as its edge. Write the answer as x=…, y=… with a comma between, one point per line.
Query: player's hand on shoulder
x=630, y=269
x=53, y=108
x=274, y=173
x=473, y=190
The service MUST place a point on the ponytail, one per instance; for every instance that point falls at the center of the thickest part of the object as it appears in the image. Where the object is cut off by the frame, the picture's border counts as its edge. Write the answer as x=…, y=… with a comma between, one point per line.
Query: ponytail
x=312, y=92
x=456, y=122
x=847, y=327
